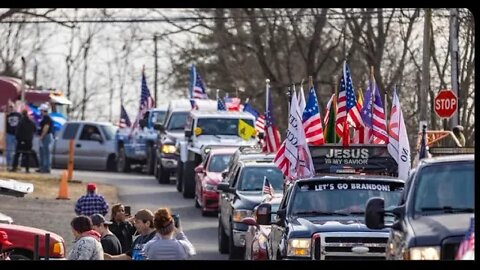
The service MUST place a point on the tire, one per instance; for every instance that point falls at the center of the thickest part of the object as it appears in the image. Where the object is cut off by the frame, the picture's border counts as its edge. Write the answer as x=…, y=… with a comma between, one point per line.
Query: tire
x=188, y=181
x=111, y=165
x=179, y=176
x=222, y=239
x=21, y=255
x=236, y=253
x=149, y=163
x=123, y=163
x=163, y=176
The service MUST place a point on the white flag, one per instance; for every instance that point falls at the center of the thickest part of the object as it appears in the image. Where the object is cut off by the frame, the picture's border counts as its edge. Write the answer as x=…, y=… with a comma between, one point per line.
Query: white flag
x=301, y=100
x=398, y=145
x=297, y=151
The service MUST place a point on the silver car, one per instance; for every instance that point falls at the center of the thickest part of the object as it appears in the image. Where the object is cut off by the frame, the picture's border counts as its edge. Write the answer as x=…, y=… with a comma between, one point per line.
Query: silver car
x=94, y=145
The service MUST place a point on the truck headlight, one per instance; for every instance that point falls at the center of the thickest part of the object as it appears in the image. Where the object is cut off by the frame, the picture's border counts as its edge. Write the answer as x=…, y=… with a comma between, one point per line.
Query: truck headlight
x=168, y=149
x=299, y=247
x=238, y=215
x=424, y=253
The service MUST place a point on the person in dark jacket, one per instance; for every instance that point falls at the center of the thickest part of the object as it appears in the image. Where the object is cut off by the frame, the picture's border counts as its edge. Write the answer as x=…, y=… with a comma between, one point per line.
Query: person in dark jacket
x=121, y=227
x=13, y=119
x=24, y=135
x=109, y=241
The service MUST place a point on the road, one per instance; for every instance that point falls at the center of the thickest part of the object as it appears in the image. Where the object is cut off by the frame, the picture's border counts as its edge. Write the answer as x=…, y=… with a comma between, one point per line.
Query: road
x=142, y=191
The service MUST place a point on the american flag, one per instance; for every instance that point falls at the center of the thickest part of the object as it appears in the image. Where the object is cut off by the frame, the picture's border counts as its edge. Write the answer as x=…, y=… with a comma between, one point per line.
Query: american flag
x=347, y=106
x=373, y=115
x=232, y=104
x=312, y=121
x=124, y=119
x=146, y=101
x=267, y=187
x=281, y=161
x=468, y=243
x=272, y=137
x=197, y=89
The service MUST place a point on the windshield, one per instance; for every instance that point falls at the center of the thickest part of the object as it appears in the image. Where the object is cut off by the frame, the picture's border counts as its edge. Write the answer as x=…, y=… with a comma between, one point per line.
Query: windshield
x=109, y=132
x=445, y=188
x=158, y=116
x=220, y=126
x=251, y=178
x=177, y=121
x=343, y=196
x=218, y=163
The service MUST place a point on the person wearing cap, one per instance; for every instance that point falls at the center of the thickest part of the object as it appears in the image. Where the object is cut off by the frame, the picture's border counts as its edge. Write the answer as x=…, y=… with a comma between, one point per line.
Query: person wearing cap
x=87, y=244
x=144, y=225
x=3, y=244
x=24, y=136
x=46, y=138
x=13, y=119
x=110, y=242
x=170, y=242
x=91, y=203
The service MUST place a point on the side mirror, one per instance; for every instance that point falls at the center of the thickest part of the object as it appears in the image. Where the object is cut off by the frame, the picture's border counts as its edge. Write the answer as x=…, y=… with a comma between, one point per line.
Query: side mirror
x=264, y=214
x=260, y=135
x=225, y=187
x=375, y=213
x=249, y=221
x=142, y=123
x=199, y=169
x=188, y=133
x=159, y=127
x=96, y=137
x=224, y=174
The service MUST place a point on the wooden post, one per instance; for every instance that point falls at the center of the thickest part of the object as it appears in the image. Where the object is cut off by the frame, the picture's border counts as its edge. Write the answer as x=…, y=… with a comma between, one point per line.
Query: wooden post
x=71, y=150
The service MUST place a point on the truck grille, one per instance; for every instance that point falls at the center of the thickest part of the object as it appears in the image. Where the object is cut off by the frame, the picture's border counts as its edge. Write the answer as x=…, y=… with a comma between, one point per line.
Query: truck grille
x=341, y=246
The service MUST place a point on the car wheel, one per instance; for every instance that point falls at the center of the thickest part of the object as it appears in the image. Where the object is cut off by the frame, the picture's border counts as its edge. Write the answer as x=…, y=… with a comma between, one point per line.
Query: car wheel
x=123, y=164
x=111, y=165
x=222, y=239
x=163, y=176
x=179, y=176
x=188, y=180
x=150, y=158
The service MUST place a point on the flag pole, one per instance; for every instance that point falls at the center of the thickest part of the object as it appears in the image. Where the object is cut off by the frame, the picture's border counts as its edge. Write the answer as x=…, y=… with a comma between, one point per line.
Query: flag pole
x=372, y=102
x=310, y=81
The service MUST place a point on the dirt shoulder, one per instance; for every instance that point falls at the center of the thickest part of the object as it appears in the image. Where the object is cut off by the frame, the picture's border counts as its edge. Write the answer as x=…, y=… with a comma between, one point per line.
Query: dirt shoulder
x=42, y=210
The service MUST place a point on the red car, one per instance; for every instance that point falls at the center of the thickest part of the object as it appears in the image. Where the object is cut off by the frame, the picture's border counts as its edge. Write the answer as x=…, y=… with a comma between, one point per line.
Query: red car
x=207, y=176
x=257, y=235
x=22, y=238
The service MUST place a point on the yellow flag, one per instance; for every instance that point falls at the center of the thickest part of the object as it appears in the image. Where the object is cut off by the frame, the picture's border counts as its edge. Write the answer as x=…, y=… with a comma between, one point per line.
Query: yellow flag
x=245, y=130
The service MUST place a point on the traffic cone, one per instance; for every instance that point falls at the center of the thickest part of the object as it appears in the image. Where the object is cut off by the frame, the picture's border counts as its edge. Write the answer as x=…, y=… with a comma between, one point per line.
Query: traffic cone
x=63, y=190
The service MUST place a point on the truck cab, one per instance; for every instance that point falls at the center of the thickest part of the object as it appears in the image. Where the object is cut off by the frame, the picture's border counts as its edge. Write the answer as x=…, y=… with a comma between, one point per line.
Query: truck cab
x=139, y=147
x=435, y=212
x=206, y=129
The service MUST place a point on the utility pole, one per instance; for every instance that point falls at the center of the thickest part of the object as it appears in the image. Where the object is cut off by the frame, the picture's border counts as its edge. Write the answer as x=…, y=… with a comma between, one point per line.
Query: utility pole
x=35, y=71
x=156, y=67
x=454, y=63
x=24, y=70
x=423, y=97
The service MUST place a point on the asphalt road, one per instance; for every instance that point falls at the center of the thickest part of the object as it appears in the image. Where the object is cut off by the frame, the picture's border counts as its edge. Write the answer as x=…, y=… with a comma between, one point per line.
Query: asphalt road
x=142, y=191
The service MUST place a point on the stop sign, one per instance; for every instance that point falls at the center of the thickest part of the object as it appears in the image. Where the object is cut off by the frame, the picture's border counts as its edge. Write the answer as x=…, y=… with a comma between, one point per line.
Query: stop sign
x=446, y=103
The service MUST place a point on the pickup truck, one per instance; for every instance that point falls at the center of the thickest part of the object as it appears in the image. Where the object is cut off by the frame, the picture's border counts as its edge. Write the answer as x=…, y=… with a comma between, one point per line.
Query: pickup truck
x=94, y=144
x=139, y=147
x=204, y=130
x=434, y=213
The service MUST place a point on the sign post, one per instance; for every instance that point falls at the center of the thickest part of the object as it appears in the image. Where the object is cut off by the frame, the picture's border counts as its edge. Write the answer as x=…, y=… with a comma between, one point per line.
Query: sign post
x=71, y=150
x=445, y=104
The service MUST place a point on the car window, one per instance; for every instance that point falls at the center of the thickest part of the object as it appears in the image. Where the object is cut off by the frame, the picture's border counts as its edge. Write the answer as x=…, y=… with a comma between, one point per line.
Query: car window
x=444, y=186
x=158, y=116
x=220, y=126
x=109, y=131
x=218, y=163
x=89, y=132
x=70, y=131
x=177, y=121
x=252, y=178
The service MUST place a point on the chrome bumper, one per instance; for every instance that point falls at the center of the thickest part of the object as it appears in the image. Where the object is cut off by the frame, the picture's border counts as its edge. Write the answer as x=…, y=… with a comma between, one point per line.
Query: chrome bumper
x=169, y=163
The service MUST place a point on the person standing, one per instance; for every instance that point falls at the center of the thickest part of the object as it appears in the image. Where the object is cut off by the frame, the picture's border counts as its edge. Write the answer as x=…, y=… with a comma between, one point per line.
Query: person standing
x=24, y=136
x=170, y=243
x=87, y=244
x=121, y=227
x=144, y=225
x=109, y=241
x=46, y=138
x=91, y=203
x=4, y=243
x=13, y=119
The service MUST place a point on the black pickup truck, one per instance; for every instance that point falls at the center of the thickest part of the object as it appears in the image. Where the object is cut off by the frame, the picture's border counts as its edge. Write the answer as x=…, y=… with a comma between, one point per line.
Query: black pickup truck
x=434, y=212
